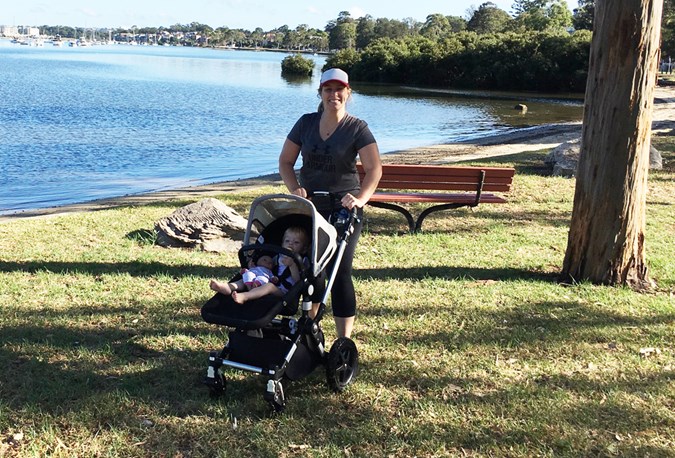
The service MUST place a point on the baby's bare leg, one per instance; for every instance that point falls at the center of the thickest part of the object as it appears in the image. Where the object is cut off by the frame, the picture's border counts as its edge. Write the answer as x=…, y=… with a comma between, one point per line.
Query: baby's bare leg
x=256, y=293
x=221, y=287
x=227, y=288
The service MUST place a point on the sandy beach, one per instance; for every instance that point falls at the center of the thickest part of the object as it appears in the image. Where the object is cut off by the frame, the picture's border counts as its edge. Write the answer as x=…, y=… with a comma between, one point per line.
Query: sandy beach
x=534, y=139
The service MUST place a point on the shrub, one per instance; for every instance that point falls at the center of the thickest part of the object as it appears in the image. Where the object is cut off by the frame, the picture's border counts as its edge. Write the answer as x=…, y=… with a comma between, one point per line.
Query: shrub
x=297, y=65
x=344, y=59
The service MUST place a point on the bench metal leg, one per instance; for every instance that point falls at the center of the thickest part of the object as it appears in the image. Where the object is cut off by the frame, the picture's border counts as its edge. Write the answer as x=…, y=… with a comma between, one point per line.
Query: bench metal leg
x=398, y=208
x=436, y=208
x=416, y=226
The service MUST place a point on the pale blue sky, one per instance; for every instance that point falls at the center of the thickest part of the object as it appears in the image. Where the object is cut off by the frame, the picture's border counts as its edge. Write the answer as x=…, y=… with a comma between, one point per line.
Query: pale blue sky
x=246, y=14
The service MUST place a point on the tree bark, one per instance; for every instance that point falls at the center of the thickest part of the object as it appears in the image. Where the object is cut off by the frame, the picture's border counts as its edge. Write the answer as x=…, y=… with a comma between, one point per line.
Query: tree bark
x=606, y=242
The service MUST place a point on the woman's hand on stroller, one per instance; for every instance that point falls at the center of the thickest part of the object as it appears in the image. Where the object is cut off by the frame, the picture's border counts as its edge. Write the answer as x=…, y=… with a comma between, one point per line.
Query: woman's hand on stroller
x=350, y=202
x=300, y=192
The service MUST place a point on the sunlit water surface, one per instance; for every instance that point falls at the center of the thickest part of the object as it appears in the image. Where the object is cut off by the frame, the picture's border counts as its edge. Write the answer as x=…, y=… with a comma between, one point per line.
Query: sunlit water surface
x=78, y=124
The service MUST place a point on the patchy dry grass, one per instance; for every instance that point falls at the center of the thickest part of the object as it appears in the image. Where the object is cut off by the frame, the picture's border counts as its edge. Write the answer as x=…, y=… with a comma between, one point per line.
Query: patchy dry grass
x=468, y=344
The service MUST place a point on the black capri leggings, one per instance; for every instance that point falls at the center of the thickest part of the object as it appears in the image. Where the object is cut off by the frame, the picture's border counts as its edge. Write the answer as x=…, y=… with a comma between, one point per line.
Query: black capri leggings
x=343, y=296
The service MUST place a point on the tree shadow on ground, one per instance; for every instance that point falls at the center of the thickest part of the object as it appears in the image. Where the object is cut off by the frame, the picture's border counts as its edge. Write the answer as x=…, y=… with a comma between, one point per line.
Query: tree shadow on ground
x=453, y=272
x=133, y=268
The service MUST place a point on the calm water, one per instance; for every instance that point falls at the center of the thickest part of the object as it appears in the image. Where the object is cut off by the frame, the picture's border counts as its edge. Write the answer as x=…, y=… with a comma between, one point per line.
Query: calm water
x=78, y=124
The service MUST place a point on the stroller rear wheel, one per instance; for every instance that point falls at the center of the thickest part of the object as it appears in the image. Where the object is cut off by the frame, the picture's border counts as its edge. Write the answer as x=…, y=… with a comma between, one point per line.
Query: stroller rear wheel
x=342, y=364
x=216, y=385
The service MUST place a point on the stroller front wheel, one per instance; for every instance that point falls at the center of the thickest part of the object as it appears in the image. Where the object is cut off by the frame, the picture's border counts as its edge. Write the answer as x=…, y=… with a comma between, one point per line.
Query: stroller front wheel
x=342, y=364
x=275, y=395
x=214, y=380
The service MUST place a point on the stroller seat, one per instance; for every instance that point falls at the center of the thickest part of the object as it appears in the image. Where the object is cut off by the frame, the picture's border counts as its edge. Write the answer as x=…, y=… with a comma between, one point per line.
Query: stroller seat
x=255, y=314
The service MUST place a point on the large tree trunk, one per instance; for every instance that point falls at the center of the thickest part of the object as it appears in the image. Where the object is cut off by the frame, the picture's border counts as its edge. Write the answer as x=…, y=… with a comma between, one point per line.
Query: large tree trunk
x=606, y=241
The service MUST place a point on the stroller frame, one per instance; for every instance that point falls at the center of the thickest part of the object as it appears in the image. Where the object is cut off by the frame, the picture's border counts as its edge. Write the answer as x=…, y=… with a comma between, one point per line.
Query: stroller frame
x=264, y=336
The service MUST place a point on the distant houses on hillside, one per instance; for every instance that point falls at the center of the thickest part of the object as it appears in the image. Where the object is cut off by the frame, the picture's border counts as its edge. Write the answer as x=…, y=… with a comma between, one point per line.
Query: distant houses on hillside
x=162, y=37
x=12, y=31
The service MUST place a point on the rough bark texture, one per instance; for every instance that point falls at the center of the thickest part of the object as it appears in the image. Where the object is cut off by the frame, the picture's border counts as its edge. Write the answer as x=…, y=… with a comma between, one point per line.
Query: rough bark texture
x=606, y=241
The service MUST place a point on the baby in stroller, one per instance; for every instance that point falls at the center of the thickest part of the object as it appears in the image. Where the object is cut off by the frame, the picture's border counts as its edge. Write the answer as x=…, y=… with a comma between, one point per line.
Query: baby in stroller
x=296, y=240
x=258, y=273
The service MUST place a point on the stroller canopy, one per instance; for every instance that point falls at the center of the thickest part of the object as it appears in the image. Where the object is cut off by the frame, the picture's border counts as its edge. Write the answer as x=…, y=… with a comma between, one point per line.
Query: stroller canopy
x=270, y=215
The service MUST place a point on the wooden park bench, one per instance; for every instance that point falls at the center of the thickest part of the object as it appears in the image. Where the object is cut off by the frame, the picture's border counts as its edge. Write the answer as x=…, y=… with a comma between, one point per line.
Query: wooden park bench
x=433, y=184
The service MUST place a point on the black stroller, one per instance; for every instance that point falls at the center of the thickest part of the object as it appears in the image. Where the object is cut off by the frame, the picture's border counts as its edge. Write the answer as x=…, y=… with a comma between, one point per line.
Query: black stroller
x=267, y=336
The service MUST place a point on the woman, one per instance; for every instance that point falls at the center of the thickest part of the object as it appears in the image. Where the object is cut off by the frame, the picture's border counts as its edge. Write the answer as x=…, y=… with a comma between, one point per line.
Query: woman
x=330, y=141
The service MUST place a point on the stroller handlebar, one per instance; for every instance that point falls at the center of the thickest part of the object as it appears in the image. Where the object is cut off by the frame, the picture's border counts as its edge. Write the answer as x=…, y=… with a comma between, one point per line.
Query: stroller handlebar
x=343, y=219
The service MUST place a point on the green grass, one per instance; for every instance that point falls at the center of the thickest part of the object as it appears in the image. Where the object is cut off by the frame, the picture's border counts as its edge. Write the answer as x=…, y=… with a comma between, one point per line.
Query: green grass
x=468, y=345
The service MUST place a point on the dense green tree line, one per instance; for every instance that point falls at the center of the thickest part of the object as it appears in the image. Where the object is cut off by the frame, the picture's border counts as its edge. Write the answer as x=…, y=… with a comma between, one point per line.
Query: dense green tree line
x=541, y=45
x=529, y=61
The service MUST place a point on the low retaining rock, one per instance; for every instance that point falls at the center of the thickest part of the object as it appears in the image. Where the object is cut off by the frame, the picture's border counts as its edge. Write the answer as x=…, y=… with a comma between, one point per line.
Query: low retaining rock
x=208, y=224
x=564, y=158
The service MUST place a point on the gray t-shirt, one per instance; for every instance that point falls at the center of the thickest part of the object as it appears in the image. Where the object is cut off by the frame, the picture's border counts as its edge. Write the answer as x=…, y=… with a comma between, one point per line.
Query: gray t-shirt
x=330, y=165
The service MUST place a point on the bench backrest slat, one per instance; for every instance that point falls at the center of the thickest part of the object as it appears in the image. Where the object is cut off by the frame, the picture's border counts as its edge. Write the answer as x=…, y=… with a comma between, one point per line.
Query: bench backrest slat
x=395, y=176
x=436, y=186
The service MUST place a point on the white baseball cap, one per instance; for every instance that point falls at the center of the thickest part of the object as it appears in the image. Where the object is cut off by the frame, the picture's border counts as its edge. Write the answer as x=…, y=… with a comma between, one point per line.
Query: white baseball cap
x=334, y=74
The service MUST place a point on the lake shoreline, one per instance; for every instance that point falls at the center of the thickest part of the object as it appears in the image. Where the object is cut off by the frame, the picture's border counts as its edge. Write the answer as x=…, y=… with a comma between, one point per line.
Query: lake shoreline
x=522, y=140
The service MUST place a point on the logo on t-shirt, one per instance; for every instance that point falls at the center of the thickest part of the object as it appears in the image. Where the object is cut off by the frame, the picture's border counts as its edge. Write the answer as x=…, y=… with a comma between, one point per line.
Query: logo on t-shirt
x=320, y=159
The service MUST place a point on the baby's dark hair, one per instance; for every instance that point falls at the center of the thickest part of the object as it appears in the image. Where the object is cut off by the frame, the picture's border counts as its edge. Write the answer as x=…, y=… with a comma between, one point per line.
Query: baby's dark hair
x=257, y=254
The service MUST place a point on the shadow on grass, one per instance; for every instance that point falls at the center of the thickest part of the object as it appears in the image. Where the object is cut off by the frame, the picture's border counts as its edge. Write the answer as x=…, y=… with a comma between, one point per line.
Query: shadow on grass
x=114, y=379
x=152, y=269
x=552, y=405
x=453, y=272
x=136, y=268
x=58, y=369
x=491, y=217
x=524, y=325
x=555, y=412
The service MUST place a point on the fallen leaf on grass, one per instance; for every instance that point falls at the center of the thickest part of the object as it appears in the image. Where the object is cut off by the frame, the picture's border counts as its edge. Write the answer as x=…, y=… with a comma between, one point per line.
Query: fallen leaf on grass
x=14, y=439
x=484, y=282
x=451, y=391
x=646, y=352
